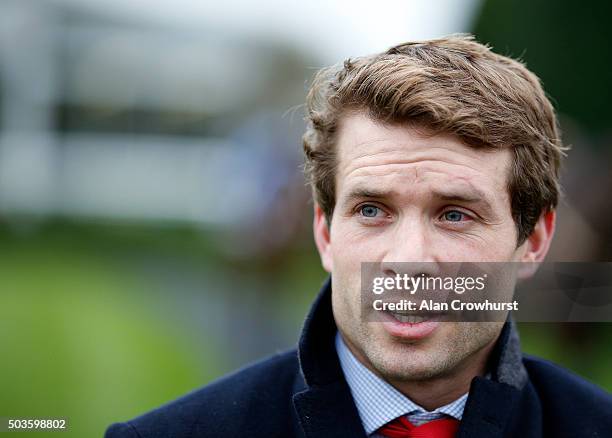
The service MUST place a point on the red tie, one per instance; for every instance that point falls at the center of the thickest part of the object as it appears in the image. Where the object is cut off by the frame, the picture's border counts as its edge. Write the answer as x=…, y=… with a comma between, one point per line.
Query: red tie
x=402, y=428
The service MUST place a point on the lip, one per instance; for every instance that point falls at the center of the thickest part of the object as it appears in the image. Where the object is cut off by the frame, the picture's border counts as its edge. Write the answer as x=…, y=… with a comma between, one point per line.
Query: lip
x=407, y=330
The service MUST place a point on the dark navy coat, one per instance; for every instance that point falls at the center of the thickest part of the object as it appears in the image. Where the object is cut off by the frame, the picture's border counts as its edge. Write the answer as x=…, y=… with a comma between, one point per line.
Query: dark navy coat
x=303, y=393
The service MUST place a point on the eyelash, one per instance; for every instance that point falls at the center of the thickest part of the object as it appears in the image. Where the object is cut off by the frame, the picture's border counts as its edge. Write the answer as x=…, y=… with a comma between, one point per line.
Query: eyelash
x=360, y=207
x=470, y=217
x=455, y=209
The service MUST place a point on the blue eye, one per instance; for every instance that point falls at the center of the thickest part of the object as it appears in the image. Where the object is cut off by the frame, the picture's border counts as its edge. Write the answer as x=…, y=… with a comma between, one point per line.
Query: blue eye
x=369, y=211
x=453, y=216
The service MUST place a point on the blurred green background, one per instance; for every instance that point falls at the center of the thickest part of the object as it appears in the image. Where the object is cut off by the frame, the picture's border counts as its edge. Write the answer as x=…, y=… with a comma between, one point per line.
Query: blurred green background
x=154, y=226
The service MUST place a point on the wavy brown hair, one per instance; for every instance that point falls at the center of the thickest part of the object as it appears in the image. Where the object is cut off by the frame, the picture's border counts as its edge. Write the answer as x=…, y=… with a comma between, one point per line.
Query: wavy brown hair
x=452, y=85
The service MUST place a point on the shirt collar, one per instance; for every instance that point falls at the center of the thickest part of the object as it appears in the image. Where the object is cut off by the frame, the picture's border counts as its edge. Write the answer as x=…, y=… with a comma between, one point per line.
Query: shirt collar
x=378, y=402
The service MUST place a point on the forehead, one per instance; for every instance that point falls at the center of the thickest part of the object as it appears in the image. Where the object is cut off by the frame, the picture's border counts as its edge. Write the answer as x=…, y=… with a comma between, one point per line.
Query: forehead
x=394, y=154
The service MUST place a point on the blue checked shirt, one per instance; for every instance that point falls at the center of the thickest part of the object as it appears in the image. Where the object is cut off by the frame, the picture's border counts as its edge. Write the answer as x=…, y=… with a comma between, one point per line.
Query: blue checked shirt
x=378, y=402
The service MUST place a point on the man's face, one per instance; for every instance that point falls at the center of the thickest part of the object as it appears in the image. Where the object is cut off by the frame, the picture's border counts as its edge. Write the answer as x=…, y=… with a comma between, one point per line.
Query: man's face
x=405, y=197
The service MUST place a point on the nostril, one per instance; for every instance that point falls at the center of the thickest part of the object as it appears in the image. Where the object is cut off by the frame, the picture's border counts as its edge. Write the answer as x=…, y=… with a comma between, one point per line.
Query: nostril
x=389, y=272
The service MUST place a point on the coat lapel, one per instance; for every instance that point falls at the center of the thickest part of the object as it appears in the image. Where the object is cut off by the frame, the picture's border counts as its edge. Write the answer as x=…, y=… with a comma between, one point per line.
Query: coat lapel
x=489, y=408
x=325, y=408
x=328, y=411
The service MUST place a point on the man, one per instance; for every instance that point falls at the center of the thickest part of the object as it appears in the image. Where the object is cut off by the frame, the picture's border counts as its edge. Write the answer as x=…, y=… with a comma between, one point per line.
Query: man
x=434, y=151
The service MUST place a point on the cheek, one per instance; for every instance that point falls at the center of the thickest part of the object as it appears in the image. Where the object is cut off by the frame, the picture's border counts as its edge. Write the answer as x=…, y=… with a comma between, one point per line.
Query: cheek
x=494, y=243
x=480, y=251
x=356, y=241
x=352, y=245
x=501, y=243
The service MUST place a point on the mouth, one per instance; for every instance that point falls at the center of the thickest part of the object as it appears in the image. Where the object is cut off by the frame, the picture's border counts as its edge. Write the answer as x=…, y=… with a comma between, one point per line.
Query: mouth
x=416, y=317
x=411, y=325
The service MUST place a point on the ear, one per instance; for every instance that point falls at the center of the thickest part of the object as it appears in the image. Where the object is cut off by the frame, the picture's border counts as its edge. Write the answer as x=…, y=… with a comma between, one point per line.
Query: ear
x=322, y=238
x=538, y=243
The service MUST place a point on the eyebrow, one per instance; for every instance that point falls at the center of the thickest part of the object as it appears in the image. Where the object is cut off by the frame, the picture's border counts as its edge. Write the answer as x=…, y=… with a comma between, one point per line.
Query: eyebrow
x=362, y=193
x=470, y=195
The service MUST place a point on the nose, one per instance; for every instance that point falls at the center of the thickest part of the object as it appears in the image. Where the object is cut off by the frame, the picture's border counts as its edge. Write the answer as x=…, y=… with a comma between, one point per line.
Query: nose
x=410, y=250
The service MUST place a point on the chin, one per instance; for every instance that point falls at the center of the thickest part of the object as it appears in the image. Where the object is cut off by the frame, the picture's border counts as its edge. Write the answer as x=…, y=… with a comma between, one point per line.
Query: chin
x=406, y=362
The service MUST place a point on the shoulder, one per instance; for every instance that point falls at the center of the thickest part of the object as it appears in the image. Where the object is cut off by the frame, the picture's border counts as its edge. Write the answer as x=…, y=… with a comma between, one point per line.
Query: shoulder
x=568, y=399
x=249, y=394
x=556, y=380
